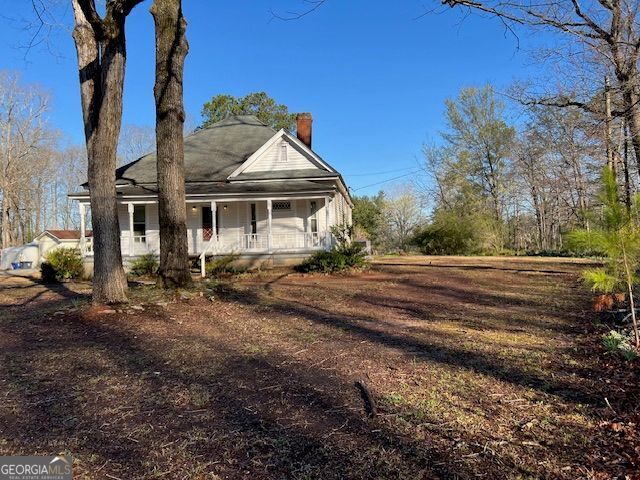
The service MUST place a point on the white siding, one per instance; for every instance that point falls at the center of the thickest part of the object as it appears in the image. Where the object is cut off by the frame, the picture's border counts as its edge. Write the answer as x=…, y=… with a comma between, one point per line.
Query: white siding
x=152, y=227
x=322, y=215
x=123, y=219
x=194, y=227
x=230, y=226
x=261, y=213
x=288, y=221
x=272, y=159
x=349, y=213
x=45, y=244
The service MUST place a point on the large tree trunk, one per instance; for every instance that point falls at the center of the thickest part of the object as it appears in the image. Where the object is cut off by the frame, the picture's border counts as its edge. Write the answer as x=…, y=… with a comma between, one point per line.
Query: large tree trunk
x=171, y=50
x=101, y=61
x=7, y=232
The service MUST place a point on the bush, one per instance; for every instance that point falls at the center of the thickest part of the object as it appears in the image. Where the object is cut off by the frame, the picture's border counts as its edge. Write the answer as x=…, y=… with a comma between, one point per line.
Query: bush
x=619, y=343
x=223, y=265
x=451, y=237
x=145, y=266
x=612, y=340
x=339, y=258
x=62, y=264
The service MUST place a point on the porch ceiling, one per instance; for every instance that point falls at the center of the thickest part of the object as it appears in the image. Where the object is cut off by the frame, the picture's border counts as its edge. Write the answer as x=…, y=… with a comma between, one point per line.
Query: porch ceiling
x=223, y=189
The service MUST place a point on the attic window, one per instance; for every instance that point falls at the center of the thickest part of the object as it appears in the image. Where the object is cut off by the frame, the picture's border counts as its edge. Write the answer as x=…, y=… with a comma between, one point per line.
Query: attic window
x=283, y=153
x=282, y=205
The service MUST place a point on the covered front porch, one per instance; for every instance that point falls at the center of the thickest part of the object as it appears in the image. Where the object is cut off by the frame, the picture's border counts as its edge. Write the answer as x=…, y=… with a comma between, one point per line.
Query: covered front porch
x=229, y=226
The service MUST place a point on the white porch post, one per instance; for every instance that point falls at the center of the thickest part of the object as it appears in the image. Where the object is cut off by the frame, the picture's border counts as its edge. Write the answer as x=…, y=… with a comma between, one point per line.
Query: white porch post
x=130, y=209
x=327, y=233
x=83, y=228
x=269, y=235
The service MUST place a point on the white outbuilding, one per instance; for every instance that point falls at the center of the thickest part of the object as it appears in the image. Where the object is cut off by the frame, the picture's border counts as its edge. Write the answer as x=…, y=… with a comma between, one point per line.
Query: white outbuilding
x=32, y=254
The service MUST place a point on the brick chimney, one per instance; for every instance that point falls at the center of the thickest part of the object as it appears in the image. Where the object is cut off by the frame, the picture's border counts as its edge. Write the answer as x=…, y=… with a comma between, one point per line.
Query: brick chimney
x=303, y=128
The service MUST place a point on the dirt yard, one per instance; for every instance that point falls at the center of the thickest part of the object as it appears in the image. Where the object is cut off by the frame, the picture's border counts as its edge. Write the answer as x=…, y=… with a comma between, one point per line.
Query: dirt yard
x=480, y=368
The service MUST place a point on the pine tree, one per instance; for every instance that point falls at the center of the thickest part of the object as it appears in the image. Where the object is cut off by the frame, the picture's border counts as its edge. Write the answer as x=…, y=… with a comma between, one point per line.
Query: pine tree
x=617, y=237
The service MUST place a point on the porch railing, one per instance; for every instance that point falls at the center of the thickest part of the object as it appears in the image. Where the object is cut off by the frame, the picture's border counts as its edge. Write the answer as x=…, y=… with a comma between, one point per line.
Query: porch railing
x=86, y=248
x=142, y=244
x=221, y=244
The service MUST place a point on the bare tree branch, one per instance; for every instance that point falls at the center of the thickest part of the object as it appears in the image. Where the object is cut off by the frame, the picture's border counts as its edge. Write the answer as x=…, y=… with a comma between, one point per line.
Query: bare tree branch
x=313, y=5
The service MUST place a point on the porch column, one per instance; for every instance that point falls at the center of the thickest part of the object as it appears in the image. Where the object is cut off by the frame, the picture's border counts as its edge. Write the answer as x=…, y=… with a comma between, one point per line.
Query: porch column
x=83, y=228
x=269, y=236
x=130, y=209
x=327, y=228
x=214, y=226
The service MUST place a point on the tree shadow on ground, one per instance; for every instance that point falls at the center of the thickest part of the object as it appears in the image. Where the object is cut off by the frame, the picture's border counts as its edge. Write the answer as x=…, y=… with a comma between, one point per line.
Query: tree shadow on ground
x=260, y=415
x=528, y=269
x=147, y=396
x=422, y=349
x=510, y=315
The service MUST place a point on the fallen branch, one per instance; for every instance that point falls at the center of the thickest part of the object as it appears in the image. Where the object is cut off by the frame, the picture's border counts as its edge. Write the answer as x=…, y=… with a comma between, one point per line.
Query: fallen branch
x=369, y=403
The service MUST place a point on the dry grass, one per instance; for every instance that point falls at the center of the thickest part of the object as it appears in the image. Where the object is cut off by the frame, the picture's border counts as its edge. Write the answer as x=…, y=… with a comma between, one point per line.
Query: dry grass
x=481, y=368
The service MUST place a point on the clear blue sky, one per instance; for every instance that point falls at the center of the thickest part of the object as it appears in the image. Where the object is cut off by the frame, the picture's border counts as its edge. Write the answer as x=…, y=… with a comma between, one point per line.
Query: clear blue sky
x=373, y=76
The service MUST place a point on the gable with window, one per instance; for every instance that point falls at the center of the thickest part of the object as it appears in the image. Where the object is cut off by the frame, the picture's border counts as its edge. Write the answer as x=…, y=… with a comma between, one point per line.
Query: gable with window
x=281, y=156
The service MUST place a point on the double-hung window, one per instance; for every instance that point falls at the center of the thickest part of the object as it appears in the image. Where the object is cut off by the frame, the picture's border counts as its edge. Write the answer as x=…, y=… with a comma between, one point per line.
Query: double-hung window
x=284, y=153
x=139, y=223
x=313, y=216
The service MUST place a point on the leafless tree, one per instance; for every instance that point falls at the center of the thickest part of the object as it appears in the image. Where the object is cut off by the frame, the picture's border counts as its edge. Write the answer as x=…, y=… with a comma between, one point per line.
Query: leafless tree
x=135, y=141
x=37, y=173
x=24, y=152
x=602, y=34
x=402, y=209
x=70, y=172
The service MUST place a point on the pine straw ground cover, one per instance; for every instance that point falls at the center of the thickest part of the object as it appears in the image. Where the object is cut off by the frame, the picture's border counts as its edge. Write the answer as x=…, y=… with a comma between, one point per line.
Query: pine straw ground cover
x=480, y=368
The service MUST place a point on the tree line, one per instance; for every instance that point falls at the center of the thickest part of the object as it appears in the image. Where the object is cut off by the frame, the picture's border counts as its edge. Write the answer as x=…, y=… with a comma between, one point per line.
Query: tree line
x=38, y=167
x=494, y=186
x=497, y=187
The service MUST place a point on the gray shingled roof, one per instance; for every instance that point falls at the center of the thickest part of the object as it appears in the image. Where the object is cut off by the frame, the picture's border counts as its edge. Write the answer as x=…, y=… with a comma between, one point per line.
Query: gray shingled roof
x=210, y=154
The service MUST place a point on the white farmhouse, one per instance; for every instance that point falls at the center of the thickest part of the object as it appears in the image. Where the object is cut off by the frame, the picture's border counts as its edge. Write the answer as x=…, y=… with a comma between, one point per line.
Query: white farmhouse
x=252, y=191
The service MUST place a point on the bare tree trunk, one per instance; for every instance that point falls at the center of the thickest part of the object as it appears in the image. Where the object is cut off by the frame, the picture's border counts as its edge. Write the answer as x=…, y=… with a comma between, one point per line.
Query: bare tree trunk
x=7, y=233
x=633, y=119
x=625, y=166
x=607, y=129
x=539, y=221
x=40, y=218
x=100, y=46
x=171, y=50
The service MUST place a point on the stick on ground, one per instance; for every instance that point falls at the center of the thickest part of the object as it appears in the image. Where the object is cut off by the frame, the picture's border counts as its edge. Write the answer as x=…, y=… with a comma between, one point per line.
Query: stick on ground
x=369, y=403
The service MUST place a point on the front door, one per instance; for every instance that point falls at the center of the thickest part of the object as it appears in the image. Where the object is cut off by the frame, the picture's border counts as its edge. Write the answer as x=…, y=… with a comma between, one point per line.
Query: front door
x=207, y=223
